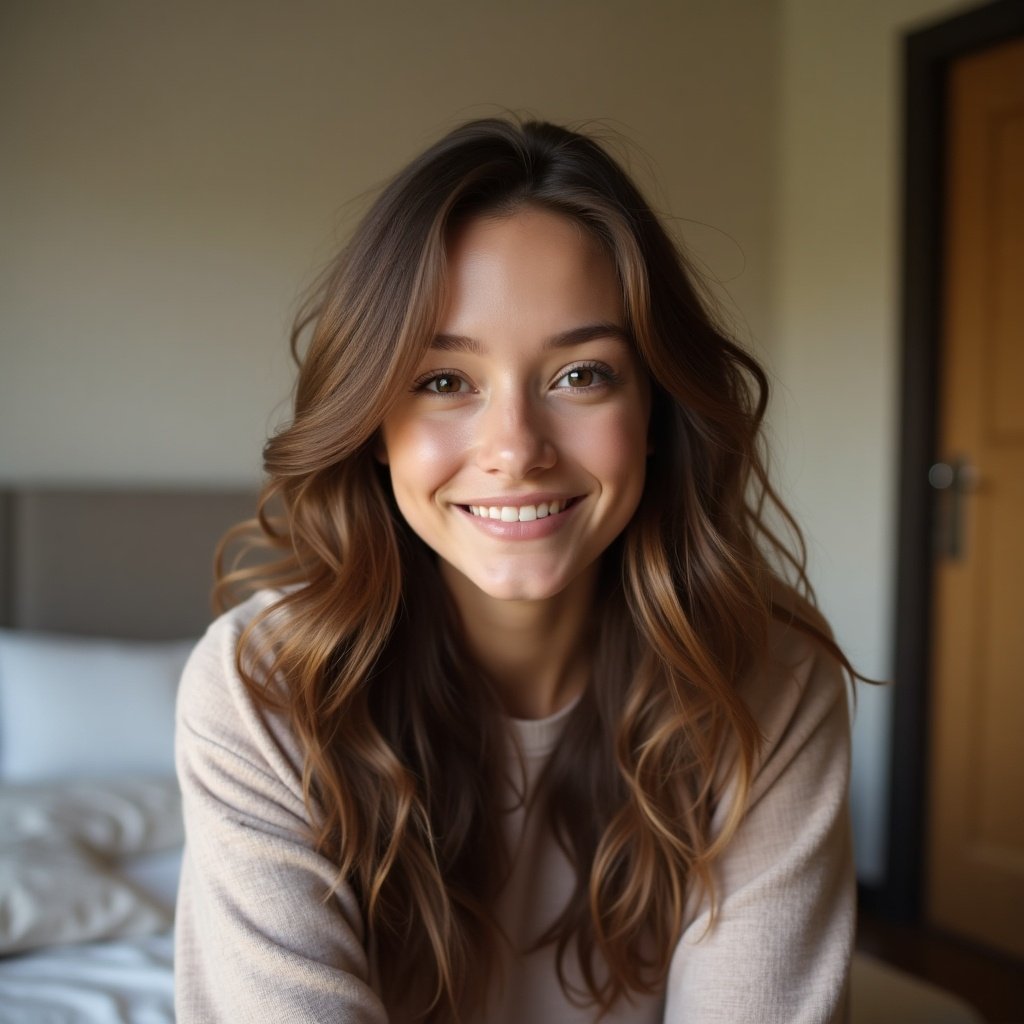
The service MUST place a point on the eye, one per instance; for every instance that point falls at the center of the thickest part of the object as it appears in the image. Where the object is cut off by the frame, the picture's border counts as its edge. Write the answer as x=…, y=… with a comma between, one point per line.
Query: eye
x=587, y=376
x=581, y=377
x=444, y=383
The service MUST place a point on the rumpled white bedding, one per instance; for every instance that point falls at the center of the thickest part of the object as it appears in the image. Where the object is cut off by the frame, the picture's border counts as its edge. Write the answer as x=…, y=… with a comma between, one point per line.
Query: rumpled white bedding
x=125, y=980
x=129, y=981
x=90, y=828
x=68, y=850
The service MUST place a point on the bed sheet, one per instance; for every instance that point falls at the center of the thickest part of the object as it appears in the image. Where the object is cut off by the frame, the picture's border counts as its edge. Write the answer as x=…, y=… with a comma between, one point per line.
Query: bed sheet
x=123, y=981
x=130, y=981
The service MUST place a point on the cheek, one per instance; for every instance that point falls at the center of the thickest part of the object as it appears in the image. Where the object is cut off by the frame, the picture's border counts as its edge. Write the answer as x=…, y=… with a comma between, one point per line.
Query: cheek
x=614, y=447
x=422, y=453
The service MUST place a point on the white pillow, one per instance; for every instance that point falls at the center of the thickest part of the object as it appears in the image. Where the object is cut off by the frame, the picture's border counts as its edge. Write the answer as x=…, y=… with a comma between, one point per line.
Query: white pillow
x=61, y=850
x=80, y=706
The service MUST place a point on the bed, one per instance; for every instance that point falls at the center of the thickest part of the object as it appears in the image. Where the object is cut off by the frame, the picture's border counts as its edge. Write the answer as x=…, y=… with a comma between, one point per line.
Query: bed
x=102, y=594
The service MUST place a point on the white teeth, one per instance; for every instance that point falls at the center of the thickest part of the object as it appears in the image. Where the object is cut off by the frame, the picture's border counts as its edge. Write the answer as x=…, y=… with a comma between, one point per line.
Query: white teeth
x=518, y=513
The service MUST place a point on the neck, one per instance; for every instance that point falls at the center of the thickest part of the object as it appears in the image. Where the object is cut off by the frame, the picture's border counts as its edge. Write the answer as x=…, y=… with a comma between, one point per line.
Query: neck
x=537, y=653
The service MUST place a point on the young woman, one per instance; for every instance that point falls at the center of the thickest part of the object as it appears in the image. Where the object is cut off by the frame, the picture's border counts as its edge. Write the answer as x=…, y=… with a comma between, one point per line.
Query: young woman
x=525, y=723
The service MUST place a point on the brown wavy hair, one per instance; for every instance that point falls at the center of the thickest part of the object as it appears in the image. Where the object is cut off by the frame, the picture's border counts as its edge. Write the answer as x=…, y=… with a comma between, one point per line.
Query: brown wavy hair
x=362, y=651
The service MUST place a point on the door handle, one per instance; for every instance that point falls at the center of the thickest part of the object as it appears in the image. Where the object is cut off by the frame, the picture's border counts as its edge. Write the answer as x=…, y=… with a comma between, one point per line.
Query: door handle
x=952, y=481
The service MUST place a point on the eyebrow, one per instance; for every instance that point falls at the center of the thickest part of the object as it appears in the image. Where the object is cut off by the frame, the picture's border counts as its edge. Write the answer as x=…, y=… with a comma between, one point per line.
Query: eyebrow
x=564, y=339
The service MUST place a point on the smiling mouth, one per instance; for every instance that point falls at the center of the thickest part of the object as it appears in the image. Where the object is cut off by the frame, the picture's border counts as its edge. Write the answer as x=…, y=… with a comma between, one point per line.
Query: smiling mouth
x=520, y=513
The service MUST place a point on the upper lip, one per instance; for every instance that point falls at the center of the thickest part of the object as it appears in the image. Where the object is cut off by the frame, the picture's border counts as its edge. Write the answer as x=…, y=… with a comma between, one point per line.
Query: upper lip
x=519, y=500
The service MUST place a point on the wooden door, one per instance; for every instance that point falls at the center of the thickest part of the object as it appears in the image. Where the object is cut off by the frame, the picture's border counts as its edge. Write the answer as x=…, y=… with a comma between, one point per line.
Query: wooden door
x=975, y=842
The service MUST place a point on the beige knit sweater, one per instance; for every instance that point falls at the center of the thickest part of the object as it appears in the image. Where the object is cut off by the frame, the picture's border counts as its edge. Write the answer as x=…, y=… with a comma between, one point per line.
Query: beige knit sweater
x=257, y=943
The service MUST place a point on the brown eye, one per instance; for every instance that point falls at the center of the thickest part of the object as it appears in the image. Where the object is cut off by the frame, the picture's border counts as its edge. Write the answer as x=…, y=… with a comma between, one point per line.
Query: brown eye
x=581, y=377
x=593, y=378
x=445, y=384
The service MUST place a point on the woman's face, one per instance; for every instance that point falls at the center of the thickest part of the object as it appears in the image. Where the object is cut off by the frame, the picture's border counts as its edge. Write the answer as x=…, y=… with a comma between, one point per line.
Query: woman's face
x=518, y=452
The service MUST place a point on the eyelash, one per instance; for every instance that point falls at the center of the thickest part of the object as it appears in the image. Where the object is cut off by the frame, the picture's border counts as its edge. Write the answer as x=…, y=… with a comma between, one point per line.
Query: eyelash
x=606, y=374
x=603, y=370
x=420, y=384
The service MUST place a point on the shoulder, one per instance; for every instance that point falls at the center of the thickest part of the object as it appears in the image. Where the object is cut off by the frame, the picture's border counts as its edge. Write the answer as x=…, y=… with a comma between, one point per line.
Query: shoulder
x=798, y=697
x=779, y=947
x=216, y=709
x=211, y=675
x=796, y=667
x=225, y=630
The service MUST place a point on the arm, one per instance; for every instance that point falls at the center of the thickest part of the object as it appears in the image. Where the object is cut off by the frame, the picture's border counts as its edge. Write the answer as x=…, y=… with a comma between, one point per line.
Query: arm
x=255, y=939
x=780, y=949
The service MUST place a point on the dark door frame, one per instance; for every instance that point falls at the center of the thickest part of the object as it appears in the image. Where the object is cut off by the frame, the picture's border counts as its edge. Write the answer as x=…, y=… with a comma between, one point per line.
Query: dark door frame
x=927, y=57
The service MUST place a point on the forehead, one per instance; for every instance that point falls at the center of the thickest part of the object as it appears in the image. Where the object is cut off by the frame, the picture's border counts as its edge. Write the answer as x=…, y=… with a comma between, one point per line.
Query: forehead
x=530, y=267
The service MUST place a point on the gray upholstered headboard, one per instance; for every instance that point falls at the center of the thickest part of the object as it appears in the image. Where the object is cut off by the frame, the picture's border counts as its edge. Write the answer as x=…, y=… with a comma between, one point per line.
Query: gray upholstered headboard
x=116, y=563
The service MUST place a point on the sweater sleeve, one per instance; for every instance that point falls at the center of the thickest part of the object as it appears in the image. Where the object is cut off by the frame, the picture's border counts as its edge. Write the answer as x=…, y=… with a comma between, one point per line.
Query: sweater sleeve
x=779, y=950
x=256, y=939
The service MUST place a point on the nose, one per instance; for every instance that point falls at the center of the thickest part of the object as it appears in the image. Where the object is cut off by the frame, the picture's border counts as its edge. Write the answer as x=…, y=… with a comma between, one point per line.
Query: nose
x=513, y=439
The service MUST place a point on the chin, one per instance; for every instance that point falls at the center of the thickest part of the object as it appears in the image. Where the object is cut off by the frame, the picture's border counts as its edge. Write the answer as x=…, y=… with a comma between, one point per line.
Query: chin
x=525, y=593
x=518, y=590
x=521, y=584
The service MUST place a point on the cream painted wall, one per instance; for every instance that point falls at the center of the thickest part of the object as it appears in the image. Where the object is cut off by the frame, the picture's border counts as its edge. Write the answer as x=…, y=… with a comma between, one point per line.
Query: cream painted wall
x=837, y=350
x=174, y=173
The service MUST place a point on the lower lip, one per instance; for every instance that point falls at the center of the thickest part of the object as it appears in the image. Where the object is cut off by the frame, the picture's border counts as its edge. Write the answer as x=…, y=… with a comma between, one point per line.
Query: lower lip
x=533, y=530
